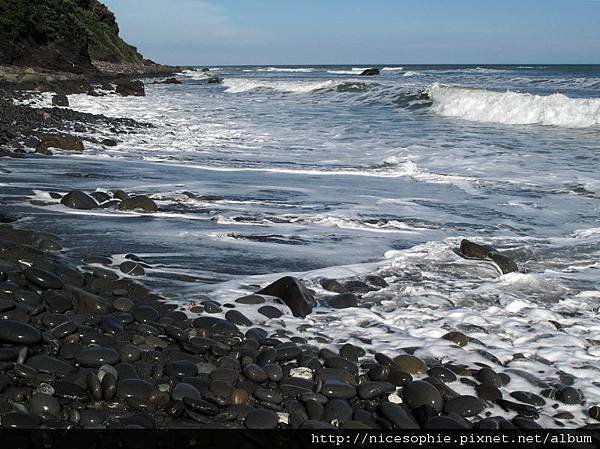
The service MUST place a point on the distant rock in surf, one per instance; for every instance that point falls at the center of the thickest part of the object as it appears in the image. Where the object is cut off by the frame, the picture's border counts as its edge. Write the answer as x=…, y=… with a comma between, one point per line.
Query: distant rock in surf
x=370, y=72
x=60, y=100
x=77, y=199
x=472, y=250
x=215, y=80
x=61, y=141
x=171, y=81
x=293, y=293
x=140, y=202
x=127, y=88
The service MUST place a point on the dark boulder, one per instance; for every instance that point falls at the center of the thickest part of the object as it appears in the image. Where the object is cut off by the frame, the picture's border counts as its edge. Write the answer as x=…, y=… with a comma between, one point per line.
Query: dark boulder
x=77, y=199
x=370, y=72
x=61, y=141
x=343, y=301
x=472, y=250
x=293, y=293
x=171, y=81
x=128, y=88
x=140, y=202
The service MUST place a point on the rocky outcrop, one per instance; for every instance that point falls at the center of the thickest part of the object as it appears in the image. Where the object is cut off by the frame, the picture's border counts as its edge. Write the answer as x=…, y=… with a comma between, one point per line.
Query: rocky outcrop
x=127, y=88
x=63, y=35
x=293, y=293
x=62, y=142
x=370, y=72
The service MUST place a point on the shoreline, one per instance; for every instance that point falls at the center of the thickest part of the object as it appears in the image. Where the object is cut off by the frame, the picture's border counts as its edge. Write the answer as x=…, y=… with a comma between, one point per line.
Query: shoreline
x=230, y=379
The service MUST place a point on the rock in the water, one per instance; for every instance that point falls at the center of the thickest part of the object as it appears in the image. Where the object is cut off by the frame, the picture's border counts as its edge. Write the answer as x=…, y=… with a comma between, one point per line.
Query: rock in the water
x=77, y=199
x=410, y=364
x=343, y=301
x=488, y=376
x=528, y=398
x=140, y=202
x=127, y=87
x=472, y=250
x=419, y=393
x=61, y=141
x=216, y=325
x=569, y=395
x=60, y=100
x=215, y=80
x=595, y=412
x=171, y=81
x=293, y=293
x=370, y=72
x=132, y=268
x=19, y=333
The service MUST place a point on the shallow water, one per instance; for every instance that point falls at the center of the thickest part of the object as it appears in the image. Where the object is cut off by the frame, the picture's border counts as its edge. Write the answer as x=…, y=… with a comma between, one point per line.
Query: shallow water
x=320, y=172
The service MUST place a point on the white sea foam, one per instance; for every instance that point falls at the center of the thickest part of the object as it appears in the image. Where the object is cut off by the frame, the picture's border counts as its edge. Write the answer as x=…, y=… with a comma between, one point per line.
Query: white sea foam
x=393, y=69
x=515, y=108
x=286, y=69
x=238, y=85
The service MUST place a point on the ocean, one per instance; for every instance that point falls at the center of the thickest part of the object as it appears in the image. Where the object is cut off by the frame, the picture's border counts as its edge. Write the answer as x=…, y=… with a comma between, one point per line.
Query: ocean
x=318, y=172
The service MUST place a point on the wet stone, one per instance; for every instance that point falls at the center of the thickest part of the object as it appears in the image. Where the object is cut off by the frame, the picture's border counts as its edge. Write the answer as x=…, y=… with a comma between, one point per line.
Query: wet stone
x=465, y=406
x=255, y=373
x=134, y=388
x=410, y=364
x=270, y=312
x=145, y=314
x=488, y=392
x=43, y=279
x=529, y=398
x=94, y=386
x=94, y=357
x=250, y=299
x=19, y=333
x=338, y=409
x=371, y=390
x=181, y=368
x=379, y=373
x=569, y=395
x=131, y=268
x=238, y=318
x=261, y=419
x=442, y=373
x=457, y=337
x=266, y=395
x=69, y=390
x=273, y=371
x=419, y=393
x=212, y=307
x=123, y=304
x=488, y=376
x=334, y=388
x=184, y=390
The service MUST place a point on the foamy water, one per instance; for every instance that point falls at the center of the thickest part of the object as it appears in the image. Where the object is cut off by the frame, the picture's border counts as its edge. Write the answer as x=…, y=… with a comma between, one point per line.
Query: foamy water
x=318, y=172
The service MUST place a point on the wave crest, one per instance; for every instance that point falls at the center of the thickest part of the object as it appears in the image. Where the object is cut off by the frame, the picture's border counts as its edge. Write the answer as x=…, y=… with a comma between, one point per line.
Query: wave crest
x=513, y=108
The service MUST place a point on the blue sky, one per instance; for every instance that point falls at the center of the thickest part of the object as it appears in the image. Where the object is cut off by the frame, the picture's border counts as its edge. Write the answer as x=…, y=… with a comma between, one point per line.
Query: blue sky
x=207, y=32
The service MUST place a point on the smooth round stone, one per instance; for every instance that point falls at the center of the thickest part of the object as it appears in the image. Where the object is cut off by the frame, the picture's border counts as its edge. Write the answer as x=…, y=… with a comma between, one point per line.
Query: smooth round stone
x=64, y=329
x=397, y=415
x=238, y=396
x=419, y=393
x=270, y=312
x=224, y=374
x=266, y=355
x=351, y=352
x=175, y=333
x=181, y=368
x=334, y=388
x=410, y=364
x=215, y=325
x=255, y=373
x=44, y=404
x=91, y=419
x=442, y=373
x=528, y=398
x=266, y=395
x=185, y=390
x=27, y=297
x=43, y=279
x=111, y=325
x=399, y=378
x=19, y=333
x=221, y=389
x=95, y=357
x=338, y=409
x=6, y=304
x=100, y=260
x=371, y=390
x=94, y=386
x=261, y=419
x=109, y=386
x=488, y=392
x=594, y=412
x=131, y=268
x=238, y=318
x=211, y=307
x=134, y=388
x=145, y=314
x=273, y=371
x=123, y=304
x=69, y=390
x=488, y=376
x=457, y=337
x=339, y=362
x=250, y=299
x=18, y=420
x=465, y=406
x=569, y=395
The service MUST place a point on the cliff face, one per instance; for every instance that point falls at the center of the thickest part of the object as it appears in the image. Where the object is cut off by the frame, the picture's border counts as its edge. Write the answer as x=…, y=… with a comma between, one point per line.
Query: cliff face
x=64, y=35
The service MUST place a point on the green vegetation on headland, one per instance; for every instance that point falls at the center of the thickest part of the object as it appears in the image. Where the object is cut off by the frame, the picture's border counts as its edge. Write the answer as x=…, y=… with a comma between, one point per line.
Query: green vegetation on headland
x=63, y=35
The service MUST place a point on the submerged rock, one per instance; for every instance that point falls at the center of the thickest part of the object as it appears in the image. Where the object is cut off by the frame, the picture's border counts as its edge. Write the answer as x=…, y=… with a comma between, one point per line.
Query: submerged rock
x=293, y=293
x=140, y=202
